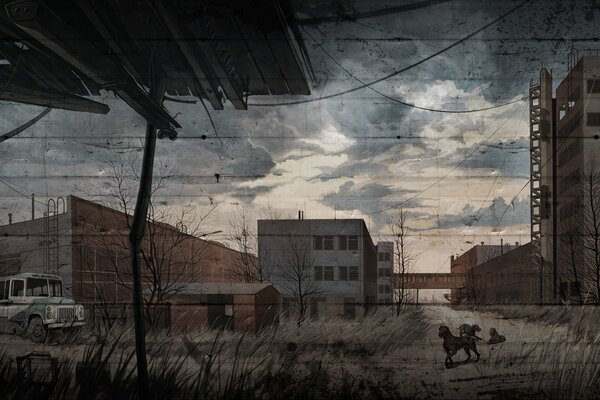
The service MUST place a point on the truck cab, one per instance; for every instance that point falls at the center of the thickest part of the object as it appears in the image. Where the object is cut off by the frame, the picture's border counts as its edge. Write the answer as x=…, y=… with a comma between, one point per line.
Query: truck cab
x=34, y=304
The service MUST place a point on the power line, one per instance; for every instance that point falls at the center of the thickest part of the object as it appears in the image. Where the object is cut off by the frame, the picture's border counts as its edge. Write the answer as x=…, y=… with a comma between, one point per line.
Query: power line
x=18, y=191
x=448, y=173
x=437, y=110
x=397, y=72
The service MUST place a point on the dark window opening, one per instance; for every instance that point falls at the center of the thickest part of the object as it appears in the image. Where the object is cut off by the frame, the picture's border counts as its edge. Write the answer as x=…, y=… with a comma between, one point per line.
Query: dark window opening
x=328, y=242
x=318, y=242
x=352, y=242
x=343, y=273
x=318, y=273
x=2, y=294
x=18, y=288
x=55, y=288
x=593, y=119
x=37, y=287
x=352, y=273
x=343, y=242
x=593, y=86
x=327, y=273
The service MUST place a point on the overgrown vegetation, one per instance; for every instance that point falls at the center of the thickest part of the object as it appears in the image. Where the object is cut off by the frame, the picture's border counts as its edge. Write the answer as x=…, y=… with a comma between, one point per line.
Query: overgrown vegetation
x=330, y=358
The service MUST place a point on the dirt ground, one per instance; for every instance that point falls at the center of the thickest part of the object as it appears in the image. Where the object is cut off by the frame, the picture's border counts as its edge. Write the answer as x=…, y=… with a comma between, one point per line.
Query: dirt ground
x=418, y=369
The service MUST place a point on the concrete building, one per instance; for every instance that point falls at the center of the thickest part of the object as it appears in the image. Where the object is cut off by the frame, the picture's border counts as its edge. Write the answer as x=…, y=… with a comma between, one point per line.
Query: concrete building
x=87, y=245
x=497, y=275
x=564, y=143
x=385, y=272
x=331, y=264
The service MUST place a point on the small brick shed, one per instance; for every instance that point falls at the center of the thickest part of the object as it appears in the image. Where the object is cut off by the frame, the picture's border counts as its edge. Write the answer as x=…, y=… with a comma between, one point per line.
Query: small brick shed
x=239, y=306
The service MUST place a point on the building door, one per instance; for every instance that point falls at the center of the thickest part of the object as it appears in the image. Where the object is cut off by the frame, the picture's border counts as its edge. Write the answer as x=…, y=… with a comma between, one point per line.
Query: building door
x=220, y=311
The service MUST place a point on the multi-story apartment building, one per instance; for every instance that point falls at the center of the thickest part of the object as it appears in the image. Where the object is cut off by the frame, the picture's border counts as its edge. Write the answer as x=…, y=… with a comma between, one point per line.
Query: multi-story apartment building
x=569, y=128
x=385, y=272
x=329, y=266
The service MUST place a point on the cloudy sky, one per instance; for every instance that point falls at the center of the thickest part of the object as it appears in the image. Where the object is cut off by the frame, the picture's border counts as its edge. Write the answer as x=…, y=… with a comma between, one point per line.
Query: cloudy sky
x=459, y=176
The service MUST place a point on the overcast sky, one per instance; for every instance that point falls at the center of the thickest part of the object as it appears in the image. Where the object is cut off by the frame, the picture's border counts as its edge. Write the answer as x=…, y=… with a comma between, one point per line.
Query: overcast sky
x=349, y=156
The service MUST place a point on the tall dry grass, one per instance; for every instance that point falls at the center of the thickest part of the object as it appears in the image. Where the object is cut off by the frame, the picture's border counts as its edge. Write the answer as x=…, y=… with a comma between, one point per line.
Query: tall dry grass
x=327, y=358
x=562, y=366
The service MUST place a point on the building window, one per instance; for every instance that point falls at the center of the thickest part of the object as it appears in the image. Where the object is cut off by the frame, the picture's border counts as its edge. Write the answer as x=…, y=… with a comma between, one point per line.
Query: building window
x=387, y=289
x=2, y=294
x=343, y=242
x=593, y=86
x=318, y=273
x=382, y=289
x=18, y=288
x=352, y=242
x=384, y=272
x=328, y=242
x=343, y=273
x=384, y=256
x=318, y=242
x=593, y=119
x=352, y=273
x=327, y=273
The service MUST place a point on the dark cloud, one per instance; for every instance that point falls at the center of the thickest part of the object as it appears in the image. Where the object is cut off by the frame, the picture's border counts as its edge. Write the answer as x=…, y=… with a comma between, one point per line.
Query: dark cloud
x=499, y=213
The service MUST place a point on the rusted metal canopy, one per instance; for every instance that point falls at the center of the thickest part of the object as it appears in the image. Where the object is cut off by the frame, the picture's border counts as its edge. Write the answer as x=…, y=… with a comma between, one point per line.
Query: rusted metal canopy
x=59, y=53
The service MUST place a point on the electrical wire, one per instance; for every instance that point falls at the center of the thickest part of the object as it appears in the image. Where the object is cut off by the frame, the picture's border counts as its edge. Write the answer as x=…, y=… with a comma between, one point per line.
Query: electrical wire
x=437, y=110
x=397, y=72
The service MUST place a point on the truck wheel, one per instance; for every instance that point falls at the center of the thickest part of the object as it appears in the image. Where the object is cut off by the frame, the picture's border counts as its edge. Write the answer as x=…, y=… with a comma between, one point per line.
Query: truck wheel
x=36, y=331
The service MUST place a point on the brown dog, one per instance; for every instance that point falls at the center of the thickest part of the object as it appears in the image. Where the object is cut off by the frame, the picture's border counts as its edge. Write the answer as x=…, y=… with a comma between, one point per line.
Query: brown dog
x=454, y=343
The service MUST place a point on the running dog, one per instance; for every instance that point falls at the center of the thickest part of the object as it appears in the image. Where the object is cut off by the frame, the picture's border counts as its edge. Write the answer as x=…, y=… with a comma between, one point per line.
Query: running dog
x=452, y=344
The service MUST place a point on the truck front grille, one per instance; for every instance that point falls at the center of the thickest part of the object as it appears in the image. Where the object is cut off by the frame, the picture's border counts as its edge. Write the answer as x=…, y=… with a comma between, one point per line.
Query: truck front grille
x=66, y=314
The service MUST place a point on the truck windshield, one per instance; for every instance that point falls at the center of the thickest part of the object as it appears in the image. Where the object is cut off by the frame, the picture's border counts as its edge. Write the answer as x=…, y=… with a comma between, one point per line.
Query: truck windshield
x=55, y=288
x=37, y=287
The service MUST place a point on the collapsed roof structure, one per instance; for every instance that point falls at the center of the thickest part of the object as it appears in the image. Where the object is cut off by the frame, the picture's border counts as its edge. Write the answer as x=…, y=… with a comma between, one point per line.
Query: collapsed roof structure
x=61, y=53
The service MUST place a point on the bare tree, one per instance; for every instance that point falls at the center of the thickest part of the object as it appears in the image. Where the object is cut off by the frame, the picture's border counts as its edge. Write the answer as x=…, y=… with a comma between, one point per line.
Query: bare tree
x=404, y=258
x=171, y=253
x=296, y=274
x=570, y=252
x=591, y=226
x=269, y=211
x=473, y=280
x=246, y=267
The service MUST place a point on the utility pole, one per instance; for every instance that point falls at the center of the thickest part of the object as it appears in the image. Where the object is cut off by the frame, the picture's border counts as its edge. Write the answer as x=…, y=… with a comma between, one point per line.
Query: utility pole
x=136, y=235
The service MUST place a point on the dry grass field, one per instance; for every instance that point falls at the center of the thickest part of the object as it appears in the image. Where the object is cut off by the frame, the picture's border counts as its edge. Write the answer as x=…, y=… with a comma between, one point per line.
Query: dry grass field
x=550, y=352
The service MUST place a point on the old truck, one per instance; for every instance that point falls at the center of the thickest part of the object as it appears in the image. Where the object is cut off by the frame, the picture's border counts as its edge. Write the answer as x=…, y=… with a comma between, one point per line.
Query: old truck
x=34, y=304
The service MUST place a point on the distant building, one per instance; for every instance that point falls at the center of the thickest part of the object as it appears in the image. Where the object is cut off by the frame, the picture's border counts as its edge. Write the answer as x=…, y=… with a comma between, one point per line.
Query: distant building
x=495, y=273
x=333, y=262
x=469, y=259
x=565, y=149
x=509, y=278
x=385, y=272
x=87, y=245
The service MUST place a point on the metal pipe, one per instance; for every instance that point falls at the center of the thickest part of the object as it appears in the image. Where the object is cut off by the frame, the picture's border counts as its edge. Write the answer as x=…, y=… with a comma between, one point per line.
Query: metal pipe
x=32, y=205
x=136, y=235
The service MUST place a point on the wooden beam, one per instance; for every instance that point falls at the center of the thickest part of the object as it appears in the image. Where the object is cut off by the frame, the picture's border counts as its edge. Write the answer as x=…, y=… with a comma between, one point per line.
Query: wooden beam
x=210, y=87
